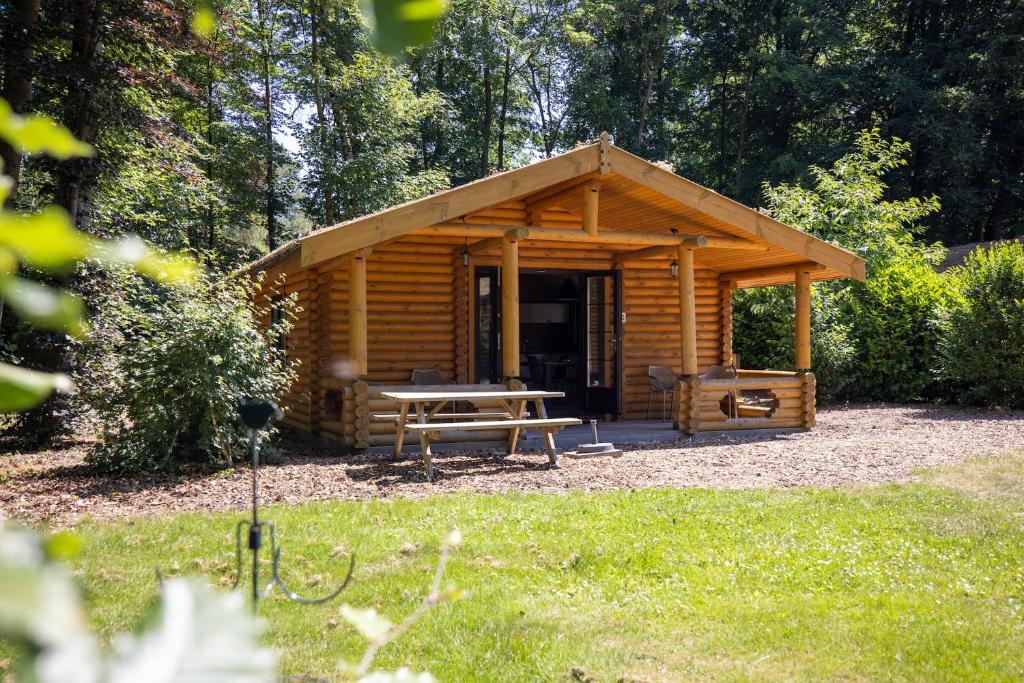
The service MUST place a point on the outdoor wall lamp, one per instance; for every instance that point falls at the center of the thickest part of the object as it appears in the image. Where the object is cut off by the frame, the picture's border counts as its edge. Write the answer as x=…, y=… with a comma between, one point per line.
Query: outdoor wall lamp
x=465, y=255
x=674, y=269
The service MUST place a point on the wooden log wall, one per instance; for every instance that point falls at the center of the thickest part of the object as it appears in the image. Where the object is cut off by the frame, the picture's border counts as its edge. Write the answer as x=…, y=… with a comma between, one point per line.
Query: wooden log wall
x=411, y=311
x=411, y=303
x=651, y=331
x=699, y=407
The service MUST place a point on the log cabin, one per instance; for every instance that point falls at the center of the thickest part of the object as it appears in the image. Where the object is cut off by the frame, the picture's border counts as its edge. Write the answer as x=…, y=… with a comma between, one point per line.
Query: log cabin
x=579, y=273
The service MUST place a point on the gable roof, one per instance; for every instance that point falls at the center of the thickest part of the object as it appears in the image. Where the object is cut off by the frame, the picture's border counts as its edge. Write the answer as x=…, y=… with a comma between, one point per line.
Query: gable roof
x=635, y=195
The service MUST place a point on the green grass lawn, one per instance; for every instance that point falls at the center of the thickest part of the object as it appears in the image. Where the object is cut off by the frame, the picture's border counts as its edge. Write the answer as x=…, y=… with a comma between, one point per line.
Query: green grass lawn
x=921, y=581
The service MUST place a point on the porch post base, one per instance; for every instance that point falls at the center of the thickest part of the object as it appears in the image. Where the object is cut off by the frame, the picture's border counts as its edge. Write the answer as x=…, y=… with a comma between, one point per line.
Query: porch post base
x=688, y=408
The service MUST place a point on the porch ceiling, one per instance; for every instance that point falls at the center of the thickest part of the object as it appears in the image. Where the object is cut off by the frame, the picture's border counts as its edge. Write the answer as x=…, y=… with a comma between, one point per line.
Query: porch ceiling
x=627, y=206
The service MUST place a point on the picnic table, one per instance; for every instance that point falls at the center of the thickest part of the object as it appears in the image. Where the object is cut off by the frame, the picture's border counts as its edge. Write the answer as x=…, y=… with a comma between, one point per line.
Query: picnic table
x=427, y=407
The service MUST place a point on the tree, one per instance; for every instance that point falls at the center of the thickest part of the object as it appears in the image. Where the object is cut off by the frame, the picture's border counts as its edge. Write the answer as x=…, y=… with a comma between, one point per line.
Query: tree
x=364, y=116
x=874, y=340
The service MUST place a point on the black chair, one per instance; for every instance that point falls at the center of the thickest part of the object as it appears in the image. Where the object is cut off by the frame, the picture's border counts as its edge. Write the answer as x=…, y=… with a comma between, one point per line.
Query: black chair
x=566, y=379
x=536, y=370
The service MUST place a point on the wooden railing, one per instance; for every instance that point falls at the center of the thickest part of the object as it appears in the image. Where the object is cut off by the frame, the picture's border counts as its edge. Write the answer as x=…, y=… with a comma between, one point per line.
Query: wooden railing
x=708, y=405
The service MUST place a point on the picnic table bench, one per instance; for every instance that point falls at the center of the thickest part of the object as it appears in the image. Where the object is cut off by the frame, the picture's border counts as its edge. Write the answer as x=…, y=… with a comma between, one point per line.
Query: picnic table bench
x=427, y=407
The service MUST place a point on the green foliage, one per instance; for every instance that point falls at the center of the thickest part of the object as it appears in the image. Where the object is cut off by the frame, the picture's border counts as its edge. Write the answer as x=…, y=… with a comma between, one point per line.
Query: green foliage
x=894, y=317
x=161, y=369
x=764, y=336
x=981, y=350
x=873, y=340
x=846, y=203
x=405, y=23
x=39, y=135
x=47, y=241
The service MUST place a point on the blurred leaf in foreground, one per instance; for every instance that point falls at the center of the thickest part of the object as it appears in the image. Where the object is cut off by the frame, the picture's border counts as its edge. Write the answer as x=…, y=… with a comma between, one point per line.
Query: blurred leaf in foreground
x=405, y=23
x=21, y=388
x=46, y=307
x=36, y=134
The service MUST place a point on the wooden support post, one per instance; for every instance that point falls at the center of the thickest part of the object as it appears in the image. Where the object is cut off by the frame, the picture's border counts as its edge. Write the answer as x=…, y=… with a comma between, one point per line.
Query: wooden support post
x=803, y=319
x=725, y=289
x=509, y=308
x=591, y=192
x=808, y=387
x=357, y=344
x=687, y=405
x=687, y=312
x=361, y=414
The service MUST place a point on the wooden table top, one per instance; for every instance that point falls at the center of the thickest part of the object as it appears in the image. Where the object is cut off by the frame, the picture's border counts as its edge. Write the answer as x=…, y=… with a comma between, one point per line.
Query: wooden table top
x=413, y=396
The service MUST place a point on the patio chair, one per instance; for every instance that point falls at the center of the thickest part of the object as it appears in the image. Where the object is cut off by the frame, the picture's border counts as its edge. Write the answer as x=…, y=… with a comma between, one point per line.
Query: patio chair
x=663, y=380
x=429, y=376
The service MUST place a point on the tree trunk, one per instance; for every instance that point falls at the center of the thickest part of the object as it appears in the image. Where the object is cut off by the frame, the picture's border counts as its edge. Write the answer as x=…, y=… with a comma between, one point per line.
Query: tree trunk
x=506, y=76
x=77, y=176
x=721, y=133
x=744, y=110
x=211, y=225
x=264, y=9
x=19, y=67
x=330, y=217
x=485, y=152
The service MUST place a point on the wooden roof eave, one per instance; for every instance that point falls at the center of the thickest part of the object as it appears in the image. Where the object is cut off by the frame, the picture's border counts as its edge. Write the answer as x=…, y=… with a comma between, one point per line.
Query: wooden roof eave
x=752, y=222
x=285, y=258
x=475, y=196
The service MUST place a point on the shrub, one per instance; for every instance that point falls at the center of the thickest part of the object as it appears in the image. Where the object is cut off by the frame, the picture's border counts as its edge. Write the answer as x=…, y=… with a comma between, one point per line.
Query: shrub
x=161, y=368
x=873, y=340
x=981, y=348
x=894, y=317
x=764, y=322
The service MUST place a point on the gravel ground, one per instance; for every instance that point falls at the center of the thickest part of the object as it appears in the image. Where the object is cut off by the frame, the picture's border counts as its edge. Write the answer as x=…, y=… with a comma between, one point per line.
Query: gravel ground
x=855, y=444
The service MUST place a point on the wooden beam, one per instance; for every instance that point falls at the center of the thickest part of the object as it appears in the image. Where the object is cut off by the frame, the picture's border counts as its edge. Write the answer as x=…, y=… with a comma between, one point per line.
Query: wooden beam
x=696, y=242
x=556, y=234
x=509, y=308
x=687, y=311
x=591, y=193
x=558, y=188
x=605, y=153
x=658, y=251
x=492, y=243
x=734, y=243
x=462, y=200
x=802, y=351
x=570, y=196
x=357, y=312
x=740, y=276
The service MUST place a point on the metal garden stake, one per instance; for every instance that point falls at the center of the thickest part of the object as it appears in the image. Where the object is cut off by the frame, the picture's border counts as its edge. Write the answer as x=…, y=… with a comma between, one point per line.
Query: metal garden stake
x=256, y=415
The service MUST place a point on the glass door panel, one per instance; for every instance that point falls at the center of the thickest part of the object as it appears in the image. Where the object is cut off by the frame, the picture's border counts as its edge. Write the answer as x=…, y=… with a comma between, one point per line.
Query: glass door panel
x=485, y=321
x=601, y=336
